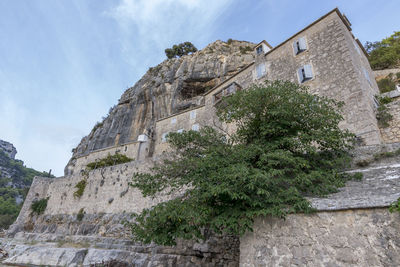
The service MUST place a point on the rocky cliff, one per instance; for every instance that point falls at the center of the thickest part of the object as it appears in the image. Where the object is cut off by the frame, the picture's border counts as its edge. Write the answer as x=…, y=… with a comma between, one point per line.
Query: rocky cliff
x=172, y=86
x=15, y=180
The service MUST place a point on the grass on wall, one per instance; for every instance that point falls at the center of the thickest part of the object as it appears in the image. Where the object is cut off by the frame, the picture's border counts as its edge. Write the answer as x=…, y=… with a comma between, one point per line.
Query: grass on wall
x=80, y=188
x=39, y=206
x=110, y=160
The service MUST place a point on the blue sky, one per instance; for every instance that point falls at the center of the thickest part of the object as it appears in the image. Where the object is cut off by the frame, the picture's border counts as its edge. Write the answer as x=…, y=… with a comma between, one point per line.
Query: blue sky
x=64, y=63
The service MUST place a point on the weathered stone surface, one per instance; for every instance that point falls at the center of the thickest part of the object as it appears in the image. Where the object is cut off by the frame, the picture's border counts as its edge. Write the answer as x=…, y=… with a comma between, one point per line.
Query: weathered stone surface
x=379, y=187
x=163, y=90
x=58, y=250
x=391, y=134
x=343, y=238
x=8, y=148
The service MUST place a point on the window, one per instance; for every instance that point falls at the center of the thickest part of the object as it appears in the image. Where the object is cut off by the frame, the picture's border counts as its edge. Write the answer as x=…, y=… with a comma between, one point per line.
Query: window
x=260, y=70
x=366, y=74
x=164, y=137
x=173, y=120
x=142, y=138
x=357, y=48
x=305, y=73
x=193, y=114
x=180, y=131
x=259, y=50
x=230, y=89
x=299, y=45
x=376, y=102
x=195, y=127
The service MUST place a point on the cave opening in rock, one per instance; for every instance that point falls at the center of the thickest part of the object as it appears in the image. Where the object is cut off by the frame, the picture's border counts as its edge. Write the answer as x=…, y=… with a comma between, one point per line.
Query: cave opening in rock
x=195, y=87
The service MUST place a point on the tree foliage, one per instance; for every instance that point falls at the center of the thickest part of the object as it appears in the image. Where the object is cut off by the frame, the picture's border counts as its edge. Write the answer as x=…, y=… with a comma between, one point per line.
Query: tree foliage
x=180, y=50
x=287, y=146
x=386, y=53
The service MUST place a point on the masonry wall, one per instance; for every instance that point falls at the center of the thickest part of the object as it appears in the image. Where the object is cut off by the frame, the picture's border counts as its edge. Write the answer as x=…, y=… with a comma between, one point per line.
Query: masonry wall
x=131, y=150
x=336, y=75
x=391, y=134
x=343, y=238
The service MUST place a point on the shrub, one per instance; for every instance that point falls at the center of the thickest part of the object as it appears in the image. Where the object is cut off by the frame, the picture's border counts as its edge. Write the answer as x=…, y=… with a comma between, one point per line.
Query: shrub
x=386, y=53
x=80, y=214
x=245, y=49
x=386, y=85
x=395, y=206
x=180, y=50
x=288, y=146
x=39, y=206
x=383, y=116
x=80, y=188
x=229, y=41
x=110, y=160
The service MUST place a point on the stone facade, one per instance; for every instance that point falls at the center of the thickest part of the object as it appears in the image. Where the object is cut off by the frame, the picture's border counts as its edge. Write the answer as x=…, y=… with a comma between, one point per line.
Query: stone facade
x=391, y=134
x=343, y=238
x=339, y=69
x=157, y=106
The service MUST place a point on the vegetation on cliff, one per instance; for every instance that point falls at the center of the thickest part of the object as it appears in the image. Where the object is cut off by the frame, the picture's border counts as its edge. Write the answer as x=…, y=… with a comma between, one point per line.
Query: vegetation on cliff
x=386, y=53
x=15, y=180
x=287, y=146
x=180, y=50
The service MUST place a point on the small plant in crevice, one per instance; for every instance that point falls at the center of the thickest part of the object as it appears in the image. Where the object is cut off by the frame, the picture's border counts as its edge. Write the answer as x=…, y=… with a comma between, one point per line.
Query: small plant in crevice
x=383, y=116
x=39, y=206
x=80, y=186
x=395, y=206
x=382, y=155
x=80, y=214
x=110, y=160
x=245, y=49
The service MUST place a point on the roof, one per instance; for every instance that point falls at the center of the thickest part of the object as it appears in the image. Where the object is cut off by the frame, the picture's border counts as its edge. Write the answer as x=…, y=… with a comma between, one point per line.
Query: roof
x=263, y=42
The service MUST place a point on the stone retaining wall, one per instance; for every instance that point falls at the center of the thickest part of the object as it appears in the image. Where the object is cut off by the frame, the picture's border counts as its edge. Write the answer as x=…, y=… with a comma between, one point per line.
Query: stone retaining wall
x=391, y=134
x=344, y=238
x=383, y=73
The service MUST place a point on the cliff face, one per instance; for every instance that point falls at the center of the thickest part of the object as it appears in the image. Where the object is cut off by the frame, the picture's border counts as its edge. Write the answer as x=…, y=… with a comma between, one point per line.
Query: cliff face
x=172, y=86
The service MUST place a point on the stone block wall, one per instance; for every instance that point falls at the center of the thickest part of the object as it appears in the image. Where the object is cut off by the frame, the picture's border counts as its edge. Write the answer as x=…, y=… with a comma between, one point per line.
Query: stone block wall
x=336, y=66
x=131, y=150
x=391, y=134
x=343, y=238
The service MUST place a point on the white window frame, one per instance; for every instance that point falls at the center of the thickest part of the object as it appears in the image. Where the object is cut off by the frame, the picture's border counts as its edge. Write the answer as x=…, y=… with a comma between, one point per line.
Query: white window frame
x=300, y=45
x=259, y=50
x=305, y=73
x=356, y=46
x=366, y=75
x=164, y=137
x=261, y=70
x=195, y=127
x=193, y=114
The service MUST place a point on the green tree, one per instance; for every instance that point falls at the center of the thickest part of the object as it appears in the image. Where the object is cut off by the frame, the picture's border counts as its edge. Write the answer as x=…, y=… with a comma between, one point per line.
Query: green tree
x=180, y=50
x=386, y=53
x=287, y=146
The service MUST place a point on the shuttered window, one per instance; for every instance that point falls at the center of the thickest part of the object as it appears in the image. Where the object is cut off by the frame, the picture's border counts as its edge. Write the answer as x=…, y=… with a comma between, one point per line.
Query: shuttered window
x=260, y=70
x=193, y=114
x=299, y=45
x=195, y=127
x=305, y=73
x=164, y=137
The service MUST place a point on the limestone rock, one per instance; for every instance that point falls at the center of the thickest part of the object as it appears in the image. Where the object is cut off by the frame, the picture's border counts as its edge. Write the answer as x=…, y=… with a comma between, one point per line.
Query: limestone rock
x=170, y=87
x=8, y=148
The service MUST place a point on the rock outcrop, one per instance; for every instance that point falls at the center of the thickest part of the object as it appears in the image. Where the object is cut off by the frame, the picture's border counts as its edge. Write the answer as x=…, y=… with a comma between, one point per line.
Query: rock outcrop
x=170, y=87
x=8, y=148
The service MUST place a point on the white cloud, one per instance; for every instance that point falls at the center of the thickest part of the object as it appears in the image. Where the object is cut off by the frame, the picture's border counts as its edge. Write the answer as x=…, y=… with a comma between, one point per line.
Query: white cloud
x=150, y=26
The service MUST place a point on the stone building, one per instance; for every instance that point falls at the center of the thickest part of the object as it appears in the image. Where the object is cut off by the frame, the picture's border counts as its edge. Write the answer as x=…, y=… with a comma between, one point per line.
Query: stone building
x=326, y=57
